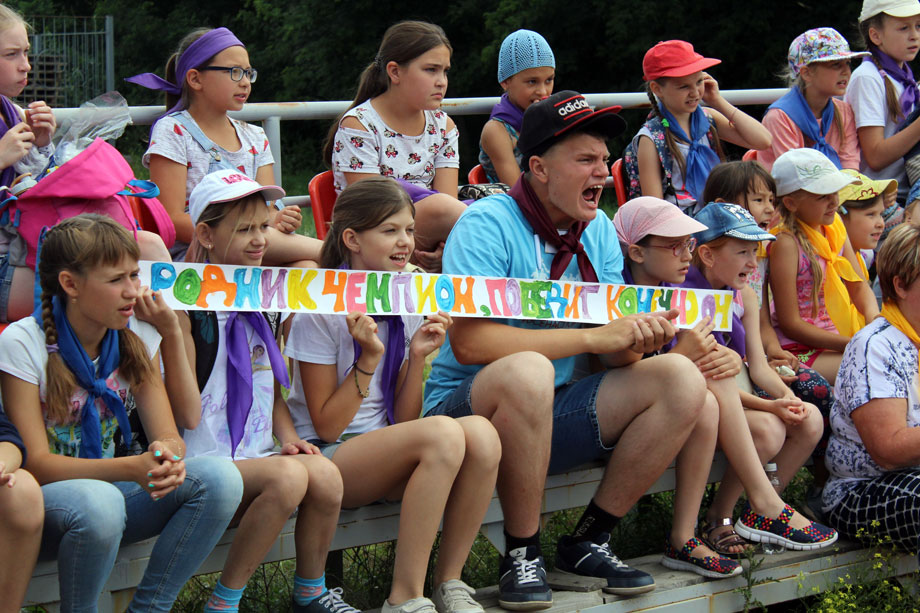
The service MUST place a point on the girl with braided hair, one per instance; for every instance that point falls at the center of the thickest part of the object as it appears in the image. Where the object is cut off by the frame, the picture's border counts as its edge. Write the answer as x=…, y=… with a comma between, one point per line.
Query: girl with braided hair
x=68, y=375
x=677, y=147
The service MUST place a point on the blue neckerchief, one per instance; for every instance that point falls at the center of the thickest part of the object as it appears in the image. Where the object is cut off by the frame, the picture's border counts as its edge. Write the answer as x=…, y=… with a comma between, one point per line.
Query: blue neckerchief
x=90, y=378
x=701, y=159
x=508, y=112
x=796, y=107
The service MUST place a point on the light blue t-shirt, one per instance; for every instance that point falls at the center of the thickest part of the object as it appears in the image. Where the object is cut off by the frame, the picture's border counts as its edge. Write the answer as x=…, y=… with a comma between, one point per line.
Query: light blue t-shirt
x=492, y=238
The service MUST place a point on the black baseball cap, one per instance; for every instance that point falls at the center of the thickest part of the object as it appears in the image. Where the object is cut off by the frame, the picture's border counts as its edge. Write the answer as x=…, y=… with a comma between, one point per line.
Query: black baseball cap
x=548, y=121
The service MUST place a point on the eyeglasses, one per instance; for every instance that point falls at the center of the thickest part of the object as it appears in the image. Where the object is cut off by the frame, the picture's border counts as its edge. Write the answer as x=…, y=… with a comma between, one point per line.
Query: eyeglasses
x=236, y=73
x=678, y=248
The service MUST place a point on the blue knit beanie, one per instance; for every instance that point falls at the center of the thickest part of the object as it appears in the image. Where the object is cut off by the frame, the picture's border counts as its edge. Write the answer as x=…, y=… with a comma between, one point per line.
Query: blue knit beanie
x=522, y=50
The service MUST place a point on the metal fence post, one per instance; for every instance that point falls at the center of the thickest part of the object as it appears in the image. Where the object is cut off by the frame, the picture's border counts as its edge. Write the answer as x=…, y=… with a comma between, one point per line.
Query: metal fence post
x=272, y=127
x=109, y=53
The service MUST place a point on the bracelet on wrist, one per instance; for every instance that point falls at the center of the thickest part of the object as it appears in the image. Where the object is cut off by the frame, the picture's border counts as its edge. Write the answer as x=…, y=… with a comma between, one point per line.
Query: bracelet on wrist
x=362, y=371
x=365, y=392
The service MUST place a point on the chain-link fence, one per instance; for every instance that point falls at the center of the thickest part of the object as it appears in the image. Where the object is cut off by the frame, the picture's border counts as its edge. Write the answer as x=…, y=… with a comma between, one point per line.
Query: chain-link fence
x=73, y=59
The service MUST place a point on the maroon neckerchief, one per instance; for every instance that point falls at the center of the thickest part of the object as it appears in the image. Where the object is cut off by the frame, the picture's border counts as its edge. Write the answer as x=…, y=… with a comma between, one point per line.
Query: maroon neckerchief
x=566, y=245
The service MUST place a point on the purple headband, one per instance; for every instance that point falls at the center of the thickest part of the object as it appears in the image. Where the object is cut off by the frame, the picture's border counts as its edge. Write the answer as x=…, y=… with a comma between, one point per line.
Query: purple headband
x=207, y=46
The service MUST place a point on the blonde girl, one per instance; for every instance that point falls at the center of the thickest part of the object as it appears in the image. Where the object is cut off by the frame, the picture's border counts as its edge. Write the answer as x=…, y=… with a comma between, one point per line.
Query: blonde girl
x=820, y=300
x=883, y=90
x=527, y=73
x=240, y=371
x=395, y=127
x=358, y=394
x=812, y=114
x=25, y=145
x=209, y=75
x=66, y=374
x=784, y=428
x=679, y=145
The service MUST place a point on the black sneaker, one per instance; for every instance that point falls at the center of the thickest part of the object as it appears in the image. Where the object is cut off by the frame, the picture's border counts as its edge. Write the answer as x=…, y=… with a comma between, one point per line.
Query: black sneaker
x=596, y=560
x=522, y=582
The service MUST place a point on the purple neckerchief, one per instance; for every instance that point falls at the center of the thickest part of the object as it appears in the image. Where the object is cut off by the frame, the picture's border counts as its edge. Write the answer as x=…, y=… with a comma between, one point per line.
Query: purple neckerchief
x=796, y=108
x=736, y=337
x=10, y=119
x=903, y=75
x=393, y=355
x=207, y=46
x=239, y=369
x=508, y=112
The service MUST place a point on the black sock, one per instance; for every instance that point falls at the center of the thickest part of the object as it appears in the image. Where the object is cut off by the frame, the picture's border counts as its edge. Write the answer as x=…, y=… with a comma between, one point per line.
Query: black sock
x=594, y=521
x=514, y=542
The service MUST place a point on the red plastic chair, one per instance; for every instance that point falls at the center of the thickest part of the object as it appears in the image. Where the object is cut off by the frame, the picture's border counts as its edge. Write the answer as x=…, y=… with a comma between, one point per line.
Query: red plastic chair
x=619, y=181
x=477, y=176
x=322, y=199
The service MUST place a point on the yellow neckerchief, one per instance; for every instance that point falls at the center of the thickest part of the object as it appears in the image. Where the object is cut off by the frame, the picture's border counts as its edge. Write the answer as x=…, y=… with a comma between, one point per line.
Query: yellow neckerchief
x=828, y=244
x=892, y=313
x=862, y=265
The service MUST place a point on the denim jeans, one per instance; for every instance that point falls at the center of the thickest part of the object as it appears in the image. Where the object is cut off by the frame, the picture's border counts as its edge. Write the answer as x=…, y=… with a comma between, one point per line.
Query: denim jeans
x=86, y=520
x=576, y=433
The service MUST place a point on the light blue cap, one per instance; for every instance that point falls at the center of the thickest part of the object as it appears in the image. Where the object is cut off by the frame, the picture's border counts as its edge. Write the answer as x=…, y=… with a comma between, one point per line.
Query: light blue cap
x=724, y=219
x=521, y=50
x=914, y=193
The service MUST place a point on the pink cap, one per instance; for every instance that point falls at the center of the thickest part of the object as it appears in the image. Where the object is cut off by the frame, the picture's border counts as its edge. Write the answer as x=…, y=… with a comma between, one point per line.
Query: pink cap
x=647, y=215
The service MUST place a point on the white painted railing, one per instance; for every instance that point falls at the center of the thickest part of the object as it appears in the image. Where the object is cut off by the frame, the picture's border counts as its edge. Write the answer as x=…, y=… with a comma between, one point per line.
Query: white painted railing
x=271, y=114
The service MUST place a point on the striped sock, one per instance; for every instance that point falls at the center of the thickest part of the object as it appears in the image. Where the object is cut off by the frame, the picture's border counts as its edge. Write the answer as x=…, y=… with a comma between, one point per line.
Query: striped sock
x=308, y=590
x=224, y=599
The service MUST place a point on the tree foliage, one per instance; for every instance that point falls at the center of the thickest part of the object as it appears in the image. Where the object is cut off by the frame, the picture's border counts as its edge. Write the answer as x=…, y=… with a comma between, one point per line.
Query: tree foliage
x=315, y=49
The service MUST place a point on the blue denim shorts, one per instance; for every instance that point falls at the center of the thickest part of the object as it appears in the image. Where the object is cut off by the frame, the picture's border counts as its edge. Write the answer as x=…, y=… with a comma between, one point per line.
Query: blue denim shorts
x=576, y=433
x=6, y=283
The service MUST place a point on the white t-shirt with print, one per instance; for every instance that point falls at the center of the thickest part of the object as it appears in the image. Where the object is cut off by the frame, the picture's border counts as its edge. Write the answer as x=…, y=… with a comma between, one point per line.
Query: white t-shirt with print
x=23, y=355
x=324, y=339
x=212, y=435
x=879, y=362
x=171, y=140
x=382, y=150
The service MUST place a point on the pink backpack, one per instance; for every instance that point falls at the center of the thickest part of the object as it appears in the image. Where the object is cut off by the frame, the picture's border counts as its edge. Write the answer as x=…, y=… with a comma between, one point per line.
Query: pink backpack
x=97, y=180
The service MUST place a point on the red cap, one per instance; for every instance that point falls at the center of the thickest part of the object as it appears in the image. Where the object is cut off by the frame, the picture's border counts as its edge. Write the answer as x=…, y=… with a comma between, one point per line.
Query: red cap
x=674, y=58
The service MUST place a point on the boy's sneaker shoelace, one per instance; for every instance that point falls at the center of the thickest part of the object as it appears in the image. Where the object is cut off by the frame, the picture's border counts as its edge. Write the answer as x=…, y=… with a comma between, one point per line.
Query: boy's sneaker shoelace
x=522, y=584
x=759, y=528
x=594, y=559
x=714, y=567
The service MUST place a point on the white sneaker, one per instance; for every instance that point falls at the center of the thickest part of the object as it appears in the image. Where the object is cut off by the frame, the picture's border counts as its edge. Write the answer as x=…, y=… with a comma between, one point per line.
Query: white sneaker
x=455, y=596
x=414, y=605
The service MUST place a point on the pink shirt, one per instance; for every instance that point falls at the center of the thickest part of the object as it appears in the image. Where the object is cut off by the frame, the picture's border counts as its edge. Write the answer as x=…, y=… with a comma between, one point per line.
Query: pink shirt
x=803, y=284
x=787, y=135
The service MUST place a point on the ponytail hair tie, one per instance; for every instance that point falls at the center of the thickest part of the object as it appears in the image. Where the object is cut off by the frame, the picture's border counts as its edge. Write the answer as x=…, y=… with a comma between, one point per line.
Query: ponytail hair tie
x=378, y=62
x=52, y=348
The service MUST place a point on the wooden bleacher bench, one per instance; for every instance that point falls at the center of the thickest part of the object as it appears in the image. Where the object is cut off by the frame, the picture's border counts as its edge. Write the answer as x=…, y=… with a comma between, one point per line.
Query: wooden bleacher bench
x=676, y=591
